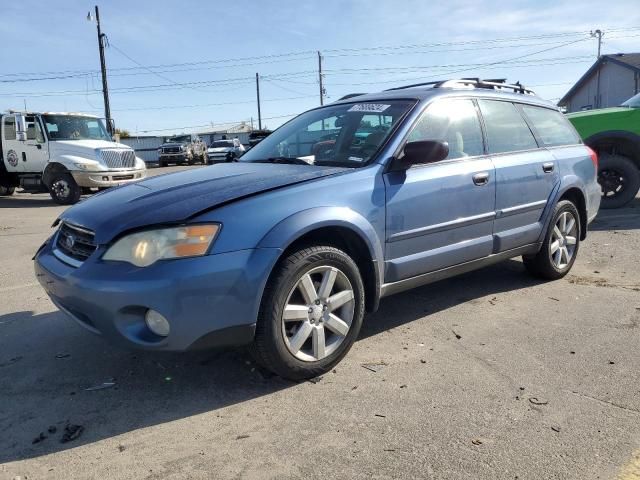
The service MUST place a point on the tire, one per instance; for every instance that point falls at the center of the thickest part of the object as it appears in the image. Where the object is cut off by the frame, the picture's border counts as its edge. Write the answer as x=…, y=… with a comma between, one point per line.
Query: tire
x=619, y=178
x=63, y=189
x=557, y=255
x=321, y=347
x=7, y=191
x=162, y=164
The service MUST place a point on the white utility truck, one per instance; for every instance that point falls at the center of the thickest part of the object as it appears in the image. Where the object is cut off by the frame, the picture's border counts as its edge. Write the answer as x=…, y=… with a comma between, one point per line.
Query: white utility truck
x=65, y=154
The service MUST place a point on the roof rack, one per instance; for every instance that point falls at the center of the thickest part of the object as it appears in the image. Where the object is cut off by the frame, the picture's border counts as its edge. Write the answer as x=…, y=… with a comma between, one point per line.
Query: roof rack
x=492, y=84
x=350, y=95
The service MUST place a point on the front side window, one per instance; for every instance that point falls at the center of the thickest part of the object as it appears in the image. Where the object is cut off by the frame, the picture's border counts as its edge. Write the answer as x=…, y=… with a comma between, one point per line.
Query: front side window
x=346, y=135
x=454, y=121
x=551, y=126
x=9, y=128
x=506, y=129
x=34, y=132
x=75, y=127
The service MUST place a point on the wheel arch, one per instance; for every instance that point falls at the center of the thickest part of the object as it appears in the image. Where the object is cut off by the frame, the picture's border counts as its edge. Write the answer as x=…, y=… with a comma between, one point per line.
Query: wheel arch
x=51, y=169
x=340, y=227
x=577, y=197
x=617, y=142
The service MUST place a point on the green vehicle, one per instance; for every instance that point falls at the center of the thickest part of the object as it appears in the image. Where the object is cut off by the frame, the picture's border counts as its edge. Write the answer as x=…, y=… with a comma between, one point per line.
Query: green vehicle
x=614, y=133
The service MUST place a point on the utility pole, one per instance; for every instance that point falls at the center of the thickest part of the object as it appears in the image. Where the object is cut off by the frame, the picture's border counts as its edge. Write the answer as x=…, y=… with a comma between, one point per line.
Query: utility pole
x=598, y=33
x=258, y=96
x=103, y=66
x=320, y=78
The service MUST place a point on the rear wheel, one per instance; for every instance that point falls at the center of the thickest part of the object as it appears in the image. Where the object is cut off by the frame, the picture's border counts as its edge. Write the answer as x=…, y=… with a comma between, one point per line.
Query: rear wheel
x=560, y=247
x=63, y=189
x=311, y=313
x=619, y=179
x=7, y=191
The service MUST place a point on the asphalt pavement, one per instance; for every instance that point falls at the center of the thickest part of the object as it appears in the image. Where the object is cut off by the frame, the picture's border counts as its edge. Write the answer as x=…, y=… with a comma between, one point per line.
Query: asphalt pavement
x=490, y=375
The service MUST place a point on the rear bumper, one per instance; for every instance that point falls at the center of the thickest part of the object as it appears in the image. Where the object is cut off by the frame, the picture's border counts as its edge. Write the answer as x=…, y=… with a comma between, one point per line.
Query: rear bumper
x=108, y=178
x=209, y=301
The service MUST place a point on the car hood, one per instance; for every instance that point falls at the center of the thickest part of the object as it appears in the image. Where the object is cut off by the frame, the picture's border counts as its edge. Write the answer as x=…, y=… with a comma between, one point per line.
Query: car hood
x=82, y=146
x=168, y=145
x=177, y=197
x=601, y=112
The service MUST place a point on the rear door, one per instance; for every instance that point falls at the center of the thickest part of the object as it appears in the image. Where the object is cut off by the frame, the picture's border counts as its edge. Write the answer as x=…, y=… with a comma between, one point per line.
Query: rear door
x=525, y=174
x=441, y=214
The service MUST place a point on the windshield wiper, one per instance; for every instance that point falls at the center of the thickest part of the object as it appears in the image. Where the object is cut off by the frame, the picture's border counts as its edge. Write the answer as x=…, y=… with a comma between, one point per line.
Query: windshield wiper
x=283, y=160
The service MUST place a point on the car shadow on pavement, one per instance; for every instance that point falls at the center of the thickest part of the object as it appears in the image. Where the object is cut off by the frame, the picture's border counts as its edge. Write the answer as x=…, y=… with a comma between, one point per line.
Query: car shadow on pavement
x=26, y=202
x=47, y=363
x=626, y=218
x=403, y=308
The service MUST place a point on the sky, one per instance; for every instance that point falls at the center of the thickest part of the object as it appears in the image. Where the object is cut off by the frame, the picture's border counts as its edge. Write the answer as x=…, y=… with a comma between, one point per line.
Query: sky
x=190, y=66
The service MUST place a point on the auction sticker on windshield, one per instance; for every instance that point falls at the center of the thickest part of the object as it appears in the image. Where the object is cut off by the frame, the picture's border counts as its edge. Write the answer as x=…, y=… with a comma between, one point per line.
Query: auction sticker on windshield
x=369, y=107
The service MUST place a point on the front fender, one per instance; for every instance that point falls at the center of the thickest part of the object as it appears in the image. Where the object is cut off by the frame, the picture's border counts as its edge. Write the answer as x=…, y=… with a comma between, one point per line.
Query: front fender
x=295, y=226
x=68, y=161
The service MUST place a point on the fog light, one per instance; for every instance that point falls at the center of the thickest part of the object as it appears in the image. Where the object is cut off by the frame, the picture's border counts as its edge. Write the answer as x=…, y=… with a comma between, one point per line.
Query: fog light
x=157, y=323
x=105, y=179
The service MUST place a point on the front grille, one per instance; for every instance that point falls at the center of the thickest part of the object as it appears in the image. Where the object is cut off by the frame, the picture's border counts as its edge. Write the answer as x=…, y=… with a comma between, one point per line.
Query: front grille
x=171, y=150
x=77, y=243
x=119, y=158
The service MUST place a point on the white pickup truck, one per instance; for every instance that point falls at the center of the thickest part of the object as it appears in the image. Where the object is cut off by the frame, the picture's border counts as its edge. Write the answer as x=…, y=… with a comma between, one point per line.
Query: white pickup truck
x=65, y=154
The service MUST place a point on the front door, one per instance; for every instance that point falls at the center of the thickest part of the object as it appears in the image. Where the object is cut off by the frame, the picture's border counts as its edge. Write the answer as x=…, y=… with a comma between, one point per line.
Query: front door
x=30, y=155
x=441, y=214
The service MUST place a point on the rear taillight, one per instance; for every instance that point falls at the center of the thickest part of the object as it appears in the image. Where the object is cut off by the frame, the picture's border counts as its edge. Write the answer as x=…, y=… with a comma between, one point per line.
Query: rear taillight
x=594, y=157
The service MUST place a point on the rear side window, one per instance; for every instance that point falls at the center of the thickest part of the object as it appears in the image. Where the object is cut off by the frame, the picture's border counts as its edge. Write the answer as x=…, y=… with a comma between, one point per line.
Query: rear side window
x=455, y=122
x=551, y=126
x=506, y=129
x=9, y=128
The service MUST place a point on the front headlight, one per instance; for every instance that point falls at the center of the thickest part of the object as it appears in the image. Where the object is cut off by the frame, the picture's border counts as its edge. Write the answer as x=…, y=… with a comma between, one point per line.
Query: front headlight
x=145, y=248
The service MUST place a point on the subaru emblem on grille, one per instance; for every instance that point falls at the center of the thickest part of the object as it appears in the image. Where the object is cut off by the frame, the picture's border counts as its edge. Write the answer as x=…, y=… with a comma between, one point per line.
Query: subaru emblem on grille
x=70, y=241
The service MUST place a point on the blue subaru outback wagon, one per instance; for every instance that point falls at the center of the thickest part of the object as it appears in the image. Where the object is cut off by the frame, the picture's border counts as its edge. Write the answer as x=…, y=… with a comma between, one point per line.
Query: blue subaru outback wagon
x=287, y=248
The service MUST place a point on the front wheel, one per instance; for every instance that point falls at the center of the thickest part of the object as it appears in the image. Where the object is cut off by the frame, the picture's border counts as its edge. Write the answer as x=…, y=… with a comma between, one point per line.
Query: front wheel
x=560, y=247
x=619, y=179
x=7, y=191
x=63, y=189
x=311, y=313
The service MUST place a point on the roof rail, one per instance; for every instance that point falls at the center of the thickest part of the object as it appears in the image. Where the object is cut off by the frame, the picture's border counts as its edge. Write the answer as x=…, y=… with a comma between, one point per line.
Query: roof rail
x=493, y=84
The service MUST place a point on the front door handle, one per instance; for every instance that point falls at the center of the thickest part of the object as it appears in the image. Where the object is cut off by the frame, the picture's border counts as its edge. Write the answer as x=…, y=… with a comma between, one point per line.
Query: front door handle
x=481, y=178
x=547, y=167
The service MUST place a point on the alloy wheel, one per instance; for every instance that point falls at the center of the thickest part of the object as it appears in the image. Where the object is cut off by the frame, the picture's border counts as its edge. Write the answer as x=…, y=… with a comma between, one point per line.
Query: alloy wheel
x=563, y=242
x=318, y=313
x=611, y=182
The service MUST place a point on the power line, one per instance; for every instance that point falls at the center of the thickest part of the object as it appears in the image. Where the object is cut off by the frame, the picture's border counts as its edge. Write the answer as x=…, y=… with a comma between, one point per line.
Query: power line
x=482, y=44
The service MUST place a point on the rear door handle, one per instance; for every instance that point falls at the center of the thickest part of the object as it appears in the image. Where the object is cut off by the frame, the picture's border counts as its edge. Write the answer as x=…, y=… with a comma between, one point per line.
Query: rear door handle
x=481, y=178
x=547, y=167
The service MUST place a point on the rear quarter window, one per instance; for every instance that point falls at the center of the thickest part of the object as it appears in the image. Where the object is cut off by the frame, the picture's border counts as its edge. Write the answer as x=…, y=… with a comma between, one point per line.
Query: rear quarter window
x=552, y=128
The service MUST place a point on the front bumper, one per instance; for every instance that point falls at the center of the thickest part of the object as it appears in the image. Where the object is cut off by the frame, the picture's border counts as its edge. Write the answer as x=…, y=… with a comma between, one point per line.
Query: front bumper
x=173, y=157
x=108, y=178
x=209, y=301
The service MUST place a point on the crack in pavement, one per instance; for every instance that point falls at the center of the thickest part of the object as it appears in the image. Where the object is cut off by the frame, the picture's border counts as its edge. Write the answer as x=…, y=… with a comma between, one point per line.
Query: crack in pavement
x=606, y=402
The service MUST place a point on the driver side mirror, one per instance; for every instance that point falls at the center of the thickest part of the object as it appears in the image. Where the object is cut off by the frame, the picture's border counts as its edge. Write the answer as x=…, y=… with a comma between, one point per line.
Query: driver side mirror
x=423, y=151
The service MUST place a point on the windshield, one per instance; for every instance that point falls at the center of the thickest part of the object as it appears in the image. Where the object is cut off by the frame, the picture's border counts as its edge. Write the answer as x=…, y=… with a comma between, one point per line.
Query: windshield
x=346, y=135
x=179, y=139
x=633, y=102
x=221, y=144
x=72, y=127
